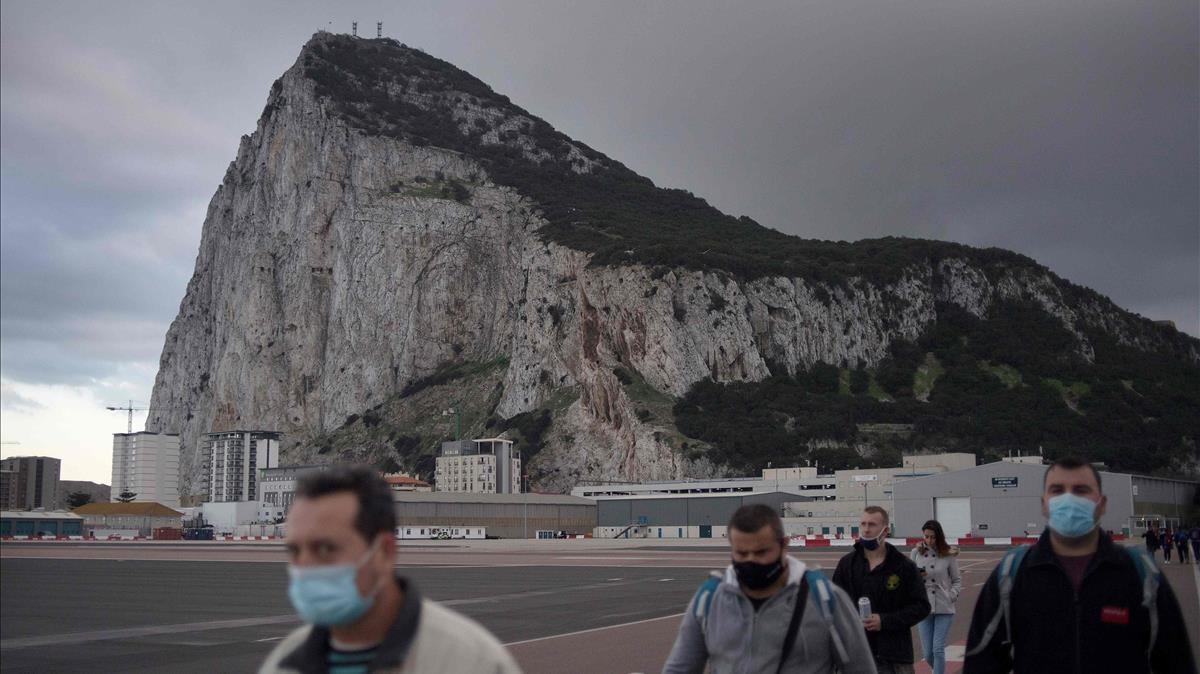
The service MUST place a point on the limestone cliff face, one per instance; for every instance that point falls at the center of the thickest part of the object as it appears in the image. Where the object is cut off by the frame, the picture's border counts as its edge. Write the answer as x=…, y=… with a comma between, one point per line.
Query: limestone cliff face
x=337, y=266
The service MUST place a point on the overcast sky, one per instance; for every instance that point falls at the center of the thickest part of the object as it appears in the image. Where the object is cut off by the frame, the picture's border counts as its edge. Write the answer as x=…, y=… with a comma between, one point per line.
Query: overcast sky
x=1067, y=131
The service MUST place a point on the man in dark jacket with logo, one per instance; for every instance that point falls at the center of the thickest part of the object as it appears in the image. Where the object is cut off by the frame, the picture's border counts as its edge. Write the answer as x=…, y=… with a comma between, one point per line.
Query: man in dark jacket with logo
x=878, y=571
x=1077, y=601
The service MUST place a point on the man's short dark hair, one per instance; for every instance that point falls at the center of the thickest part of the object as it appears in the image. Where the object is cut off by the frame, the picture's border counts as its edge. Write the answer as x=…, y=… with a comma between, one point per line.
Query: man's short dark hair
x=879, y=511
x=751, y=518
x=1072, y=463
x=376, y=510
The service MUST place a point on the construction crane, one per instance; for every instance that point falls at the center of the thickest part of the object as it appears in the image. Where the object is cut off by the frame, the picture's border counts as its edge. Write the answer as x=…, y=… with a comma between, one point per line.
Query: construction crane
x=131, y=409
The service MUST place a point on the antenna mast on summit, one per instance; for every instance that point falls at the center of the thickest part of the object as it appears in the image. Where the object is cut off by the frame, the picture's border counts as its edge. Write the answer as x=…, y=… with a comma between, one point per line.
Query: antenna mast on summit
x=378, y=29
x=354, y=28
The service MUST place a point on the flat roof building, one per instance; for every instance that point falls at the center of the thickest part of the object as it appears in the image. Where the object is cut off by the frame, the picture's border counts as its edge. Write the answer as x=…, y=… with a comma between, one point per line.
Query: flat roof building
x=232, y=461
x=32, y=482
x=137, y=516
x=796, y=479
x=503, y=515
x=147, y=465
x=40, y=523
x=483, y=466
x=1004, y=499
x=278, y=484
x=703, y=515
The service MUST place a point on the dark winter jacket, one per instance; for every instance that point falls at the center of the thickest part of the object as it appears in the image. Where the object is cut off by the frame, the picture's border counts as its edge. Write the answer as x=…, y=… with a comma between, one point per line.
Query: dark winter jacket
x=1103, y=628
x=1151, y=537
x=897, y=594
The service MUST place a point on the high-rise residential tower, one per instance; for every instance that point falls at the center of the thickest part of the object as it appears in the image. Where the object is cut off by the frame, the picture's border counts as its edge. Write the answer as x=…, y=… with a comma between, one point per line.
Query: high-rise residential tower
x=232, y=461
x=146, y=465
x=30, y=482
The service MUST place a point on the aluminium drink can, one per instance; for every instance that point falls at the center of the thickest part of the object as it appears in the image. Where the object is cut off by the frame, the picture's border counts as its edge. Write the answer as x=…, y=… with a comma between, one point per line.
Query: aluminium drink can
x=864, y=608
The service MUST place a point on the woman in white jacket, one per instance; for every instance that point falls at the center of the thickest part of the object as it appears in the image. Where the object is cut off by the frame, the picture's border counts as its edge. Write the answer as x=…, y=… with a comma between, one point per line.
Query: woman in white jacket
x=938, y=563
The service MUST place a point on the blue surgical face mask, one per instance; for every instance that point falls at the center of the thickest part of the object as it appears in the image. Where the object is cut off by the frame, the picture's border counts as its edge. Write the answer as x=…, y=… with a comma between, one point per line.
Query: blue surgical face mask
x=1072, y=516
x=327, y=595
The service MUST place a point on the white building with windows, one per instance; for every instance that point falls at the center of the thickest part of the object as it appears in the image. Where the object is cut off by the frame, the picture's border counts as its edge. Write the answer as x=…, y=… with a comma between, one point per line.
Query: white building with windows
x=485, y=466
x=277, y=485
x=146, y=464
x=233, y=461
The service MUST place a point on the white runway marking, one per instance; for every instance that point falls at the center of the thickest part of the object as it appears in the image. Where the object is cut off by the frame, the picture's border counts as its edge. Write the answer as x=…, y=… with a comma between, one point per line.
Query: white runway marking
x=134, y=632
x=594, y=629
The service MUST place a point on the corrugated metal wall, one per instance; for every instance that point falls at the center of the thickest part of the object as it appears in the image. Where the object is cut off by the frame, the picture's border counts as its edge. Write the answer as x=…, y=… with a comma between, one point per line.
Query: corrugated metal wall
x=506, y=520
x=683, y=512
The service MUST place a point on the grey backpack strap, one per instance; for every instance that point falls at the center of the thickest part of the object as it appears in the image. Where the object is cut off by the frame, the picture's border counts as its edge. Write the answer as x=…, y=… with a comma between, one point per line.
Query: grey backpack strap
x=822, y=591
x=703, y=599
x=1006, y=575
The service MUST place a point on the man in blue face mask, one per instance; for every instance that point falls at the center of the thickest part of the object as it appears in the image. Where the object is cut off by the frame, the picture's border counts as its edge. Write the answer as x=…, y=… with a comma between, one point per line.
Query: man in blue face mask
x=361, y=616
x=1077, y=601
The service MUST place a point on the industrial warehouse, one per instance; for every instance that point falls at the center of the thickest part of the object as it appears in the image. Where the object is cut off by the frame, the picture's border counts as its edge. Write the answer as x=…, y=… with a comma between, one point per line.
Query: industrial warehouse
x=1004, y=499
x=1000, y=499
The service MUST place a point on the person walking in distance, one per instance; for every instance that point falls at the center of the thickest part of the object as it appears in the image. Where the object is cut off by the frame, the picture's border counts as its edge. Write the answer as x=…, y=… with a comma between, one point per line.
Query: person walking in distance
x=1151, y=537
x=875, y=571
x=938, y=564
x=768, y=613
x=1181, y=544
x=1167, y=540
x=1195, y=537
x=1075, y=602
x=360, y=617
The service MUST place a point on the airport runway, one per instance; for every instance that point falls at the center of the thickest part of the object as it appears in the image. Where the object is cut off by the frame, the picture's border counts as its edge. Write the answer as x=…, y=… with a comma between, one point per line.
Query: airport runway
x=561, y=606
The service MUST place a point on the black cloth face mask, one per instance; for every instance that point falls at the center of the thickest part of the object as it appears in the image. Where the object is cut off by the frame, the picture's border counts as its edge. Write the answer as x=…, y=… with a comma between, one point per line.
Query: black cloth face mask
x=758, y=576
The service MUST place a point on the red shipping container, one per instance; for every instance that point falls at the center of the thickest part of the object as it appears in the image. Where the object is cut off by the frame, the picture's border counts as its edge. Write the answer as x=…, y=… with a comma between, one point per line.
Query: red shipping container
x=168, y=534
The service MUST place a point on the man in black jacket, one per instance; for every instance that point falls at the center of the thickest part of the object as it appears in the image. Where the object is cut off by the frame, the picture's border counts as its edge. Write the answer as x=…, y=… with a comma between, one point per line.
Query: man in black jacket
x=878, y=571
x=1076, y=602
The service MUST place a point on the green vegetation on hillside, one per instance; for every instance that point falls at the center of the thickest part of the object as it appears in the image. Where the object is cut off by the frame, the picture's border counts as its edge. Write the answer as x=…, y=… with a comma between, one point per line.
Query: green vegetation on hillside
x=405, y=431
x=1012, y=381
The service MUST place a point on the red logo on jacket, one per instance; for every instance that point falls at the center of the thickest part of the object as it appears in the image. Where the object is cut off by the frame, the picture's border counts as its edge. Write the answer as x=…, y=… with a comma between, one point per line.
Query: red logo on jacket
x=1116, y=615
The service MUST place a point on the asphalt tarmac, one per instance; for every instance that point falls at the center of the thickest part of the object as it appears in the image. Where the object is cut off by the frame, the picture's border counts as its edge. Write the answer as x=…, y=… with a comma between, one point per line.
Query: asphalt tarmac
x=560, y=606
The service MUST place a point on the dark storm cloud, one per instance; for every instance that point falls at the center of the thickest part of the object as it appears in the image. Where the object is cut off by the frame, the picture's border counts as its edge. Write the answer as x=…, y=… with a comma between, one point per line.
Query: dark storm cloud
x=1065, y=130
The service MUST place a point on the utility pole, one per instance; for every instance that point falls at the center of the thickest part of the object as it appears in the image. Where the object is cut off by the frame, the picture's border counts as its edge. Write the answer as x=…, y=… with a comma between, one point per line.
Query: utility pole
x=525, y=500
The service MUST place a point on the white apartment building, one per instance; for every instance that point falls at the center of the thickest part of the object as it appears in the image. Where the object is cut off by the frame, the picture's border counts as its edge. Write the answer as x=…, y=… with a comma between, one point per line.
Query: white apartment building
x=485, y=466
x=146, y=464
x=233, y=461
x=277, y=486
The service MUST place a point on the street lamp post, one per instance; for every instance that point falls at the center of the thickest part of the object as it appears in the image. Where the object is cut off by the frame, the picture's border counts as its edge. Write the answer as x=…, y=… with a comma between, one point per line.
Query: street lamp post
x=457, y=412
x=525, y=501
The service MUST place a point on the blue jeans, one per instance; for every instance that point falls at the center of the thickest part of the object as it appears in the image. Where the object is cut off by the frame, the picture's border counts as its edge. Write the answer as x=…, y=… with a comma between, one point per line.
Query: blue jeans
x=933, y=631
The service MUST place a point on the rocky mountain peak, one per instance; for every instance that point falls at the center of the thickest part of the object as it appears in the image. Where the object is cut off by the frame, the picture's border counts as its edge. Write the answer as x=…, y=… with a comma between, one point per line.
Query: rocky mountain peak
x=392, y=221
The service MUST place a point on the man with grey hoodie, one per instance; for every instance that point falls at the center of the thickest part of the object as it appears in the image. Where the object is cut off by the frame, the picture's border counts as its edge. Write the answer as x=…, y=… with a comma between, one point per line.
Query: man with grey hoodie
x=768, y=613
